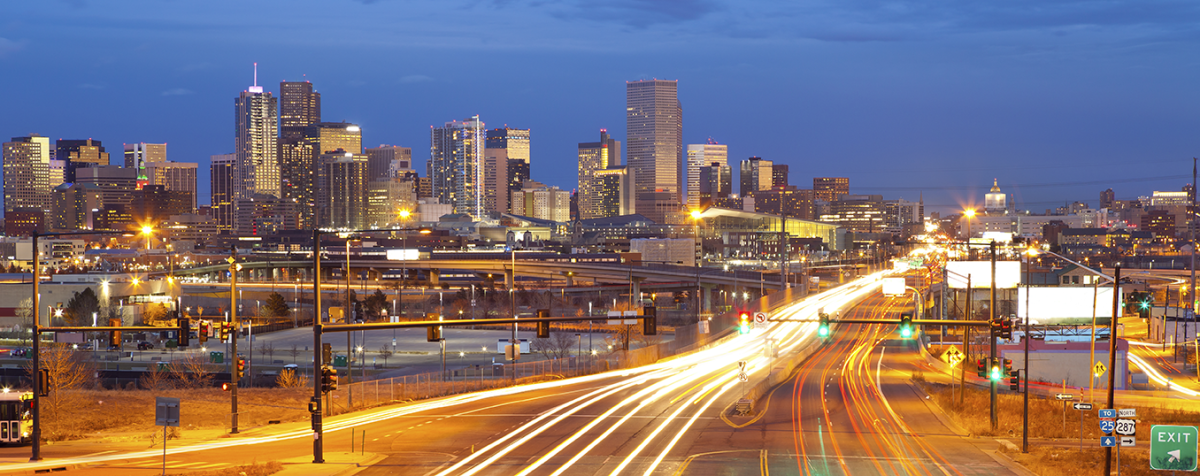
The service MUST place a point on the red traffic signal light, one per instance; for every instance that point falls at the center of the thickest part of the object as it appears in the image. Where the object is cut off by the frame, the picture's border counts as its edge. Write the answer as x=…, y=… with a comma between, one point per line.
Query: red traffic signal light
x=225, y=387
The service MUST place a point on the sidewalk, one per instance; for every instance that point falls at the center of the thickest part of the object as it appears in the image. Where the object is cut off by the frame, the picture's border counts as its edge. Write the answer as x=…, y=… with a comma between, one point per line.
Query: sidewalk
x=336, y=464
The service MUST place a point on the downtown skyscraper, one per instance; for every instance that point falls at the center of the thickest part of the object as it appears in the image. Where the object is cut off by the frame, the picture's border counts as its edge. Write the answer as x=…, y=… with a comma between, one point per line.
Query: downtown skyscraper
x=299, y=108
x=654, y=147
x=594, y=157
x=27, y=174
x=455, y=167
x=256, y=120
x=699, y=156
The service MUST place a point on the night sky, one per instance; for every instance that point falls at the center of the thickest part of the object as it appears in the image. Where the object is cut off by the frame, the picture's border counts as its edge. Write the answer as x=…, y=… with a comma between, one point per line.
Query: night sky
x=1057, y=99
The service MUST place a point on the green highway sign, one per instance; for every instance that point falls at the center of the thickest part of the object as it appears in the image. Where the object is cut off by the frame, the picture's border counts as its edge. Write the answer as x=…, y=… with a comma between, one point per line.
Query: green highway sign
x=1173, y=447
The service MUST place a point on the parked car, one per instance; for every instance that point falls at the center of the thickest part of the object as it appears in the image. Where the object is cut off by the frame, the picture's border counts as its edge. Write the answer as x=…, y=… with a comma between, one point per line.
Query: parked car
x=114, y=347
x=143, y=345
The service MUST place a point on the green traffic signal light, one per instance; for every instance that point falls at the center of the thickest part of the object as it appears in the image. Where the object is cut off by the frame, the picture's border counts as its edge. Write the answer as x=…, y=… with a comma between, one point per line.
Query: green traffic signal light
x=744, y=328
x=995, y=372
x=823, y=331
x=905, y=332
x=1145, y=305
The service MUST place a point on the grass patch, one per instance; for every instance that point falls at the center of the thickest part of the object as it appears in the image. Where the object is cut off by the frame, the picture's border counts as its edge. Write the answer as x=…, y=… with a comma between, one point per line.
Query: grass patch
x=1059, y=461
x=1046, y=415
x=256, y=469
x=129, y=414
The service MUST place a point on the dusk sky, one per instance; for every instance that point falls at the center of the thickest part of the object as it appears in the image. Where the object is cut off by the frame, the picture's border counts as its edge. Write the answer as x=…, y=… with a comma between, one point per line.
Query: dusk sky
x=1056, y=99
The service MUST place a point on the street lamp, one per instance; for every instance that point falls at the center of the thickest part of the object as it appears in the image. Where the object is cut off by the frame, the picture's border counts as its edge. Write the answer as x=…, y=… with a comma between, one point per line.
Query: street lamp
x=969, y=214
x=148, y=231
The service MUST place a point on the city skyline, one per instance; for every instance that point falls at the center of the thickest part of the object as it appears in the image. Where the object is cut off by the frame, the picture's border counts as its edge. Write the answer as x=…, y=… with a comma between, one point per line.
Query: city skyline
x=965, y=101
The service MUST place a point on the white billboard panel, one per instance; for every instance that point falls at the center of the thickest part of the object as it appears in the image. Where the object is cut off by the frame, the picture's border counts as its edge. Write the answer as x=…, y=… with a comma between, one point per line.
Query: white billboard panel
x=403, y=255
x=1052, y=304
x=893, y=286
x=1008, y=274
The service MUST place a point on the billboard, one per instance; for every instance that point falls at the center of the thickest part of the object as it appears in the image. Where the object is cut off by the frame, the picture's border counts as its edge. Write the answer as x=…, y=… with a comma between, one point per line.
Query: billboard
x=1064, y=305
x=1008, y=274
x=403, y=254
x=893, y=286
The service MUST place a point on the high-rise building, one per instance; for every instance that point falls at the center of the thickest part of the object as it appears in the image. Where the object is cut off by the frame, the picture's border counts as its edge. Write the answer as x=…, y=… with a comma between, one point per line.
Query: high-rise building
x=859, y=213
x=345, y=190
x=300, y=170
x=155, y=204
x=755, y=175
x=27, y=173
x=73, y=206
x=1107, y=199
x=264, y=215
x=594, y=157
x=221, y=177
x=455, y=166
x=829, y=189
x=518, y=174
x=779, y=176
x=495, y=180
x=299, y=107
x=174, y=177
x=118, y=193
x=716, y=183
x=540, y=201
x=614, y=192
x=654, y=147
x=79, y=153
x=256, y=120
x=382, y=160
x=58, y=172
x=140, y=155
x=515, y=142
x=698, y=157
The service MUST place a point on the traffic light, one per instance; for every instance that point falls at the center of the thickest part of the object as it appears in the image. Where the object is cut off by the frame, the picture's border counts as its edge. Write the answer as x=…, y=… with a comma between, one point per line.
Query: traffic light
x=994, y=328
x=239, y=369
x=543, y=327
x=328, y=379
x=650, y=320
x=1144, y=305
x=225, y=386
x=1006, y=328
x=433, y=333
x=744, y=323
x=205, y=329
x=1014, y=382
x=114, y=337
x=326, y=354
x=823, y=327
x=906, y=326
x=43, y=383
x=995, y=374
x=982, y=371
x=225, y=328
x=185, y=331
x=1008, y=368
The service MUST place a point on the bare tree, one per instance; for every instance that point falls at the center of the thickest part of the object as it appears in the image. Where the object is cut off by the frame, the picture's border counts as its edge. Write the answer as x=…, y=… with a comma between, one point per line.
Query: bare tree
x=295, y=352
x=155, y=379
x=24, y=315
x=191, y=372
x=67, y=374
x=288, y=378
x=267, y=349
x=385, y=352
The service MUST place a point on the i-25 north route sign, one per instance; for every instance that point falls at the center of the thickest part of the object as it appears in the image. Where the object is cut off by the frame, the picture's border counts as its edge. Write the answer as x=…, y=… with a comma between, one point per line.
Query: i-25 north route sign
x=1173, y=448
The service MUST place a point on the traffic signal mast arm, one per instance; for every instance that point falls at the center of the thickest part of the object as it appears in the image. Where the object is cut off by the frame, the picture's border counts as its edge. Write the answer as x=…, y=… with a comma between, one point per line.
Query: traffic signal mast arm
x=404, y=325
x=919, y=322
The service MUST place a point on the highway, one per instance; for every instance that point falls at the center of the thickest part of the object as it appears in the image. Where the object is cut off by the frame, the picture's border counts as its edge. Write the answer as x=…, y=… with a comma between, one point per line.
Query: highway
x=665, y=418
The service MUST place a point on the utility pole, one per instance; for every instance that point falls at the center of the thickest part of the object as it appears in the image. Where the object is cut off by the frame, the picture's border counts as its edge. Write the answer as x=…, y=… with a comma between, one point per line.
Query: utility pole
x=318, y=359
x=783, y=249
x=233, y=319
x=962, y=382
x=1112, y=357
x=992, y=335
x=37, y=351
x=1025, y=414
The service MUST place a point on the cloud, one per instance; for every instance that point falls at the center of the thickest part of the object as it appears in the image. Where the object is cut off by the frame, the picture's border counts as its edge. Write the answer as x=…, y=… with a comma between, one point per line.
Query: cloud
x=178, y=92
x=91, y=86
x=415, y=78
x=9, y=46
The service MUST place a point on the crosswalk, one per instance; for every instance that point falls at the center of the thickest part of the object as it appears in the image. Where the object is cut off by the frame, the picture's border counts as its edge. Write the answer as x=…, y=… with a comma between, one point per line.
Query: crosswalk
x=174, y=464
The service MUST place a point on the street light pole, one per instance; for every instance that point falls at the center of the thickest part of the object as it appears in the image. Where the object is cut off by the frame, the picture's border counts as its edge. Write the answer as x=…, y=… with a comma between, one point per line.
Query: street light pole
x=233, y=319
x=37, y=351
x=318, y=447
x=992, y=339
